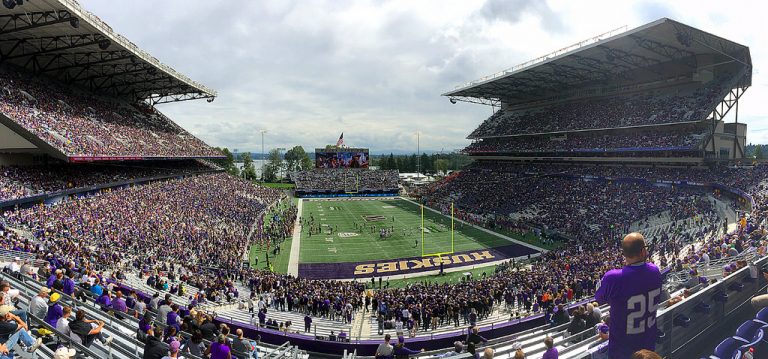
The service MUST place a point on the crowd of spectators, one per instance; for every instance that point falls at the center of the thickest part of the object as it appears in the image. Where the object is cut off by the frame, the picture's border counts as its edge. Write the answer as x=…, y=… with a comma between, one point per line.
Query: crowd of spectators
x=677, y=138
x=79, y=123
x=680, y=104
x=25, y=181
x=581, y=209
x=346, y=180
x=196, y=228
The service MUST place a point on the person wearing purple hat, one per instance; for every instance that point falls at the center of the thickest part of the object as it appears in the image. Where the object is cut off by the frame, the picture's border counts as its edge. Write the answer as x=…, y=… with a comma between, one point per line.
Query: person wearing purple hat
x=173, y=350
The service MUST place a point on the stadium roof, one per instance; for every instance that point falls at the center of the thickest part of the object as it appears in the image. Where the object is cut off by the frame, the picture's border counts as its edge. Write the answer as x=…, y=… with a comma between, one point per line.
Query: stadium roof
x=630, y=56
x=59, y=38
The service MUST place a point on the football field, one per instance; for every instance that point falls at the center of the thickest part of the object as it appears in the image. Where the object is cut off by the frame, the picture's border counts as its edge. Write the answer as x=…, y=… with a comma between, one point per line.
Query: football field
x=352, y=231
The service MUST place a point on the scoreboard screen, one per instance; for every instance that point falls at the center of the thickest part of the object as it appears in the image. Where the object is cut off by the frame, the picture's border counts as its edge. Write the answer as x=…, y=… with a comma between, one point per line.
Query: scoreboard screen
x=341, y=158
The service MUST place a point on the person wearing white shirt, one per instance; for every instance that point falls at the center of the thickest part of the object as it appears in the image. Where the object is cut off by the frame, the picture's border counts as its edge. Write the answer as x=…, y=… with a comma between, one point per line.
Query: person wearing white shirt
x=62, y=325
x=38, y=307
x=254, y=320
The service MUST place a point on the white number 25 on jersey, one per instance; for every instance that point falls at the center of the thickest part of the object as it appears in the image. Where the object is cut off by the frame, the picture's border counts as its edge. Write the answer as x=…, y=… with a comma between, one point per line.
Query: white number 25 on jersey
x=639, y=306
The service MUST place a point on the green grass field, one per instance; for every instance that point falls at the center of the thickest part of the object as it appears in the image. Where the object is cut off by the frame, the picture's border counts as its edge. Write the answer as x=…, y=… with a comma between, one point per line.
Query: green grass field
x=280, y=261
x=354, y=240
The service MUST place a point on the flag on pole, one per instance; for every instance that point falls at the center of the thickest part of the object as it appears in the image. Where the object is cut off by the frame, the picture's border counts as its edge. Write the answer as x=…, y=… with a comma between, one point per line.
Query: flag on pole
x=340, y=142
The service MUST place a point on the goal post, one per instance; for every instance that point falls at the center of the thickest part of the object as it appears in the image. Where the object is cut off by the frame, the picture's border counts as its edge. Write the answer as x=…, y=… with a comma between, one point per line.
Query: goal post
x=423, y=230
x=351, y=182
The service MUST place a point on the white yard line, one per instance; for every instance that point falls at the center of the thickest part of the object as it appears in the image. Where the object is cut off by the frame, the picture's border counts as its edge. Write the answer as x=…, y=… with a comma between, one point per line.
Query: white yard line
x=482, y=229
x=293, y=259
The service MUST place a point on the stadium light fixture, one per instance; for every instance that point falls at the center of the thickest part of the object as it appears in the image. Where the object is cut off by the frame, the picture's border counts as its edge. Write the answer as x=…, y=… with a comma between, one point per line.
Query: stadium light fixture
x=104, y=44
x=209, y=100
x=453, y=100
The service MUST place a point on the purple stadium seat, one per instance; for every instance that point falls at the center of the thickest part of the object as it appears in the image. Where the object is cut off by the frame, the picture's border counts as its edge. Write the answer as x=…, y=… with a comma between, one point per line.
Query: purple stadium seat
x=749, y=334
x=762, y=316
x=727, y=349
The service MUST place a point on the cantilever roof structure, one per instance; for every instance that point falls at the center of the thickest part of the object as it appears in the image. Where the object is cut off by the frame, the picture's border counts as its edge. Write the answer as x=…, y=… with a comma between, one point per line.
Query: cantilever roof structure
x=59, y=38
x=627, y=57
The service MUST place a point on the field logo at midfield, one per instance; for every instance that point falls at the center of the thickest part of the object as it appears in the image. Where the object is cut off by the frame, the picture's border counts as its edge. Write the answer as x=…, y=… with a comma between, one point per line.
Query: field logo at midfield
x=374, y=218
x=347, y=234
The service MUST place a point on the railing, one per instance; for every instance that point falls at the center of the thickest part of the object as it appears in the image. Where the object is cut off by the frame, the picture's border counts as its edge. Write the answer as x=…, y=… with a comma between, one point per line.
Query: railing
x=714, y=269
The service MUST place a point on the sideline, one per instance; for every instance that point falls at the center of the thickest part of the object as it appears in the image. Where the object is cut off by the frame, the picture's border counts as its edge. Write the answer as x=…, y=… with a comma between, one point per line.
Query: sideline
x=516, y=241
x=293, y=259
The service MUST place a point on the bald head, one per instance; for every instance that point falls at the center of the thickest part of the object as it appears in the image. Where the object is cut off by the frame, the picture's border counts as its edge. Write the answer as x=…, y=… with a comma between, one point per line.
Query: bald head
x=633, y=247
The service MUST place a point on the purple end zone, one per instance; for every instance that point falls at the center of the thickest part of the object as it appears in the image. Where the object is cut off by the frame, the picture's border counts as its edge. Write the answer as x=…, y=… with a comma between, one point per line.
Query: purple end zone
x=391, y=267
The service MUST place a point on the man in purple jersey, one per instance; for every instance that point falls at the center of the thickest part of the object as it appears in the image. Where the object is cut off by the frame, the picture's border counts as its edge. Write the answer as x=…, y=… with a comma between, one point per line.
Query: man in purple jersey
x=633, y=293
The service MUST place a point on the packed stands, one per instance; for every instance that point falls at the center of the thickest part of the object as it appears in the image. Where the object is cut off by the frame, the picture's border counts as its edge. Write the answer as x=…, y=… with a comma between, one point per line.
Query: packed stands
x=688, y=103
x=667, y=138
x=552, y=201
x=205, y=219
x=24, y=181
x=83, y=124
x=346, y=180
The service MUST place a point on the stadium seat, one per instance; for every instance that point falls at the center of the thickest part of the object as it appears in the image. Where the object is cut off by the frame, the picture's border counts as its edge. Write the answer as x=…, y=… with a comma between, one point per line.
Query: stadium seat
x=721, y=297
x=749, y=334
x=727, y=349
x=703, y=308
x=762, y=316
x=682, y=321
x=736, y=287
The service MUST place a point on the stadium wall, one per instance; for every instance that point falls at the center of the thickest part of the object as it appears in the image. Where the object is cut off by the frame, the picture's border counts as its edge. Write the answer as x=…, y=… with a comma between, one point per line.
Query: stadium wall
x=330, y=194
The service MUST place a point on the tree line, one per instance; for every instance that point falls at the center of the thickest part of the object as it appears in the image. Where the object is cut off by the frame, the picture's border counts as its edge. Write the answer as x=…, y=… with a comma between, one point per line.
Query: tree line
x=280, y=166
x=277, y=165
x=434, y=163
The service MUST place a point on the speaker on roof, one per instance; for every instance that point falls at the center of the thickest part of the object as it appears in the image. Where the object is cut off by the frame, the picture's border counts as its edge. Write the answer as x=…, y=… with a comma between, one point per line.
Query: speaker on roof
x=104, y=44
x=9, y=4
x=75, y=22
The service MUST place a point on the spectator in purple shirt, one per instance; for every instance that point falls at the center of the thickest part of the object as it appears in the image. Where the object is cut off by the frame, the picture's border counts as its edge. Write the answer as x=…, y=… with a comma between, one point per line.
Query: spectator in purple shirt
x=551, y=352
x=173, y=318
x=263, y=317
x=55, y=311
x=69, y=284
x=400, y=351
x=119, y=305
x=105, y=301
x=633, y=293
x=307, y=322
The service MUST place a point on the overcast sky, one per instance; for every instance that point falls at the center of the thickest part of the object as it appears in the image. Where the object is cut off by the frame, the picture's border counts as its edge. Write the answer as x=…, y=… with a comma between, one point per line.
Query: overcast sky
x=307, y=70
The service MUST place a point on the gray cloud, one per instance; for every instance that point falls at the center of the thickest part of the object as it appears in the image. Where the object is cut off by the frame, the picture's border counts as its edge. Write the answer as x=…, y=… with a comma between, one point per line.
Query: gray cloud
x=308, y=70
x=512, y=11
x=650, y=11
